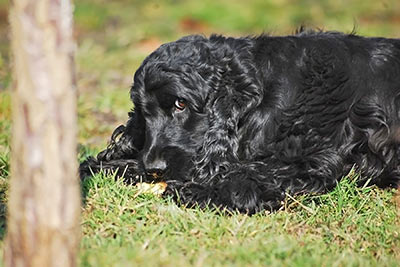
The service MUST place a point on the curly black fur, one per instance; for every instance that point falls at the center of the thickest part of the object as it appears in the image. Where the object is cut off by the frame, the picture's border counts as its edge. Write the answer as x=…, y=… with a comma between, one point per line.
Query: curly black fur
x=261, y=117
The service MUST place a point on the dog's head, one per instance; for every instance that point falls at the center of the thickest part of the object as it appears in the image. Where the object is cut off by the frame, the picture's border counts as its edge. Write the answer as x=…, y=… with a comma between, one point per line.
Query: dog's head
x=191, y=95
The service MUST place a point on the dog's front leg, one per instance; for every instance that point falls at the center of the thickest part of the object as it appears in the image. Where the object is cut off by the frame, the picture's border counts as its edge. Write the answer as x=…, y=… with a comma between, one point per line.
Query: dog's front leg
x=245, y=189
x=126, y=168
x=120, y=156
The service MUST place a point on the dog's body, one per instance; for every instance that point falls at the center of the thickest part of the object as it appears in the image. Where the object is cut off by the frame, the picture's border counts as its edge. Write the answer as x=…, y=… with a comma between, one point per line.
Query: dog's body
x=236, y=123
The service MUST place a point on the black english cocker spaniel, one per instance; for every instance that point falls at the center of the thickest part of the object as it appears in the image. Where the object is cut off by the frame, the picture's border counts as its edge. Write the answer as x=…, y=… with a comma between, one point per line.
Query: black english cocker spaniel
x=238, y=122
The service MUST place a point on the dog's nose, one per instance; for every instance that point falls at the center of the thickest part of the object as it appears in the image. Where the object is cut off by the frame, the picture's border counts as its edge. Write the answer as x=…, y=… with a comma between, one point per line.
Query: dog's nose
x=156, y=168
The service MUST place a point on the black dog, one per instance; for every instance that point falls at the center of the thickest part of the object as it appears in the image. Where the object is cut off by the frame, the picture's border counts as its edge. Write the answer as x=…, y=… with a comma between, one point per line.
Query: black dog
x=236, y=123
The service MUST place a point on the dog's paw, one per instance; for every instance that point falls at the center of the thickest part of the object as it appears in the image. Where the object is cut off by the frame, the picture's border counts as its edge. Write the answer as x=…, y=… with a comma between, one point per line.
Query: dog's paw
x=248, y=195
x=271, y=198
x=172, y=189
x=245, y=196
x=88, y=167
x=195, y=194
x=191, y=194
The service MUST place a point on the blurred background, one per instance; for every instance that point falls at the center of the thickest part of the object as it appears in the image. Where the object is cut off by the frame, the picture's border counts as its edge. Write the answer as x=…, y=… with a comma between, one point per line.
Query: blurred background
x=113, y=38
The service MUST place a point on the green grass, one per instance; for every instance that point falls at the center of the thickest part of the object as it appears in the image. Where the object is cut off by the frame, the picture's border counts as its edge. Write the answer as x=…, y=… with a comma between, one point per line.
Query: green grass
x=347, y=227
x=120, y=227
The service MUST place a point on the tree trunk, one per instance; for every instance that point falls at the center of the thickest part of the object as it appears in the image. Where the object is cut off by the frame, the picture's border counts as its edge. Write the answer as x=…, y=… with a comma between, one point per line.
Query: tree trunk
x=44, y=203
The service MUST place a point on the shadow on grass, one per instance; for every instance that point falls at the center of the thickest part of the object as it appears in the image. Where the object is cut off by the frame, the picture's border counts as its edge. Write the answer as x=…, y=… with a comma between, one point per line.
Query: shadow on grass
x=4, y=181
x=3, y=207
x=85, y=188
x=84, y=153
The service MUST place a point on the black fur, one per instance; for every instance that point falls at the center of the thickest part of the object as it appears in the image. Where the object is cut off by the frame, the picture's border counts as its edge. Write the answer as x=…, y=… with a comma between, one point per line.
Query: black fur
x=263, y=116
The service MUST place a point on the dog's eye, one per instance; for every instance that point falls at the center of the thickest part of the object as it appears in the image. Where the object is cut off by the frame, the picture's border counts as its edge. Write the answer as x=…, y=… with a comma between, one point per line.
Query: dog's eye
x=180, y=105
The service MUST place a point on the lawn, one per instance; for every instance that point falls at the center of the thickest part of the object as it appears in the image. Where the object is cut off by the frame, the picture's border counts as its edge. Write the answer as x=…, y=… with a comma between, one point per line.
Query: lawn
x=122, y=226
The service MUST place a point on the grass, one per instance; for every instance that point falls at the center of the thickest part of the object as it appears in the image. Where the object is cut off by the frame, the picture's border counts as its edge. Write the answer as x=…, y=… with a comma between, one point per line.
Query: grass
x=123, y=227
x=348, y=227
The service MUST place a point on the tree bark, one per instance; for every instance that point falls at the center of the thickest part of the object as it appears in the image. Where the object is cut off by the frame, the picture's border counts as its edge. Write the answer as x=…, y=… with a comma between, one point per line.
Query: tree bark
x=44, y=203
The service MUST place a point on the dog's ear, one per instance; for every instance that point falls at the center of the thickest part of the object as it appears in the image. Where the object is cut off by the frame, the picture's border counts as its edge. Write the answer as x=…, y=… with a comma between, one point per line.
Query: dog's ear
x=235, y=90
